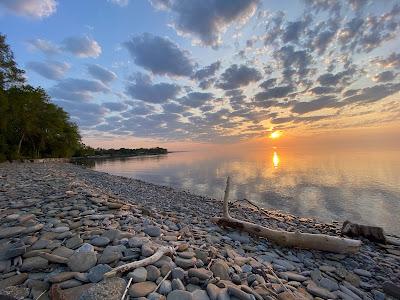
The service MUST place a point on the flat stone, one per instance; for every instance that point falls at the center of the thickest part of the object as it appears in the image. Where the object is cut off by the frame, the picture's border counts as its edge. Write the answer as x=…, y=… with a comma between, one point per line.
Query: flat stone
x=69, y=284
x=74, y=242
x=178, y=273
x=14, y=293
x=11, y=231
x=139, y=275
x=110, y=289
x=391, y=289
x=362, y=272
x=34, y=263
x=110, y=254
x=63, y=252
x=200, y=295
x=13, y=280
x=142, y=289
x=60, y=229
x=152, y=273
x=177, y=284
x=220, y=269
x=185, y=262
x=8, y=251
x=60, y=277
x=315, y=290
x=165, y=287
x=329, y=284
x=76, y=292
x=85, y=248
x=82, y=261
x=295, y=276
x=96, y=273
x=200, y=273
x=179, y=295
x=152, y=231
x=100, y=241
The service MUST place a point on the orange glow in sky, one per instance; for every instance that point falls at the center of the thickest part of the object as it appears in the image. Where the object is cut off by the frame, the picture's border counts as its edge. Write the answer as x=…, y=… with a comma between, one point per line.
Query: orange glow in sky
x=275, y=135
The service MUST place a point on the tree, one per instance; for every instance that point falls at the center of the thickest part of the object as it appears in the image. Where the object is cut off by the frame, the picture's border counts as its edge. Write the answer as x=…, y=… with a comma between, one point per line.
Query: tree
x=30, y=125
x=10, y=74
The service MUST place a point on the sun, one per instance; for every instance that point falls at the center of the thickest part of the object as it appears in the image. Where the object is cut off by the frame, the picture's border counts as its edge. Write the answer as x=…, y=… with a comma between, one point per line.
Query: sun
x=275, y=135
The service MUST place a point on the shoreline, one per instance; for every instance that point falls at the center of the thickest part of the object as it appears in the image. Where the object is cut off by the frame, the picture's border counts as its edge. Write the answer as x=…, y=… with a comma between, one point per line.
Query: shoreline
x=72, y=203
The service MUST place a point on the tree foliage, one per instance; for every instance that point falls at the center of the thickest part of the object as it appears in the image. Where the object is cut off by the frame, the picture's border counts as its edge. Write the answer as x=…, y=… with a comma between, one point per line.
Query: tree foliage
x=30, y=125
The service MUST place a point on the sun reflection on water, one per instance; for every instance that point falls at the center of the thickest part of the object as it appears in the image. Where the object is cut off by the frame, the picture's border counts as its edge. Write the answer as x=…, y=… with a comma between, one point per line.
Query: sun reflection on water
x=275, y=159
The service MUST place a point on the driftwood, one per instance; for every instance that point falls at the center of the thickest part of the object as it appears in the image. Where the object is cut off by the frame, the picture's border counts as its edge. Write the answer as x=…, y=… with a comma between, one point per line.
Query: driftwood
x=285, y=238
x=372, y=233
x=140, y=263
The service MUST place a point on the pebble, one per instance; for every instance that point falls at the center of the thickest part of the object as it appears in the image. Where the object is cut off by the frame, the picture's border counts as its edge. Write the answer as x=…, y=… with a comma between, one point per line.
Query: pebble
x=152, y=231
x=82, y=261
x=142, y=289
x=96, y=273
x=139, y=275
x=179, y=295
x=100, y=241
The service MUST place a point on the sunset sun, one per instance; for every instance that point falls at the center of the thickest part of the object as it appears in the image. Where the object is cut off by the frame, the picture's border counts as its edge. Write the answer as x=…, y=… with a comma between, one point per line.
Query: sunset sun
x=275, y=135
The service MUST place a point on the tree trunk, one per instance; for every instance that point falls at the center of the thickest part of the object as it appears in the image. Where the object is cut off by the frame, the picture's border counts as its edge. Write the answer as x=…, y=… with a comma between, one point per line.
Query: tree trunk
x=20, y=144
x=285, y=238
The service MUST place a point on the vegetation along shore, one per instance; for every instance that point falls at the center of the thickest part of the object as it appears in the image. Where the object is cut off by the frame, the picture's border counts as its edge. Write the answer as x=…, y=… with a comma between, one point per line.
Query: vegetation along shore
x=65, y=229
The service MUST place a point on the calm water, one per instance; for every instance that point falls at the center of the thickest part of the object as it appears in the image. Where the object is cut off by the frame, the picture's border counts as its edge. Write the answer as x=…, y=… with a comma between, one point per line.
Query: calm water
x=359, y=186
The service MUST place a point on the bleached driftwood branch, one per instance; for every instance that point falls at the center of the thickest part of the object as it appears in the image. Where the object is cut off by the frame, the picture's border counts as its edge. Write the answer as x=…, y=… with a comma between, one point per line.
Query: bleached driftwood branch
x=140, y=263
x=285, y=238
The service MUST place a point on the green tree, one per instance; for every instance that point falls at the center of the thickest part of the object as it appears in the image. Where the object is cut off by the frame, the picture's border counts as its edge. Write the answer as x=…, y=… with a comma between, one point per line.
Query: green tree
x=10, y=74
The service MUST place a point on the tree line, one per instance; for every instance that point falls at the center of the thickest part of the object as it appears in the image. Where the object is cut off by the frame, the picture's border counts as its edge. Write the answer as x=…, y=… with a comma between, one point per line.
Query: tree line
x=30, y=125
x=33, y=127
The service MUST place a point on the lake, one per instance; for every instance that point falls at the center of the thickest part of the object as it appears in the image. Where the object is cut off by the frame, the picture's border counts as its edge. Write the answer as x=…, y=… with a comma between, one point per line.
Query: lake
x=361, y=186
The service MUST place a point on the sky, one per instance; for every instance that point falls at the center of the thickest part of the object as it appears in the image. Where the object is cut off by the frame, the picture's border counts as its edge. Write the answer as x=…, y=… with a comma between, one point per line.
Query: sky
x=182, y=74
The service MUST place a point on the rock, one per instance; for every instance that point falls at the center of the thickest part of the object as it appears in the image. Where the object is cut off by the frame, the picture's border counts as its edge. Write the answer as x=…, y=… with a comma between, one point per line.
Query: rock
x=391, y=289
x=165, y=287
x=200, y=273
x=240, y=237
x=63, y=252
x=11, y=231
x=177, y=284
x=329, y=284
x=96, y=273
x=147, y=251
x=69, y=284
x=362, y=272
x=178, y=273
x=200, y=295
x=14, y=293
x=60, y=229
x=179, y=295
x=100, y=241
x=8, y=251
x=60, y=277
x=76, y=292
x=34, y=263
x=110, y=254
x=142, y=289
x=85, y=248
x=152, y=231
x=13, y=280
x=110, y=289
x=139, y=275
x=220, y=269
x=235, y=291
x=284, y=263
x=315, y=290
x=152, y=273
x=295, y=276
x=155, y=296
x=185, y=262
x=82, y=261
x=74, y=242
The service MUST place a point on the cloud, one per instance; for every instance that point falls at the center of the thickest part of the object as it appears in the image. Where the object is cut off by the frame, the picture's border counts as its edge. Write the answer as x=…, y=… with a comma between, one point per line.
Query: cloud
x=195, y=99
x=237, y=76
x=77, y=89
x=82, y=46
x=392, y=61
x=101, y=73
x=84, y=113
x=275, y=92
x=159, y=55
x=36, y=9
x=319, y=90
x=50, y=69
x=207, y=20
x=384, y=76
x=43, y=45
x=329, y=79
x=144, y=89
x=115, y=106
x=372, y=94
x=207, y=71
x=317, y=104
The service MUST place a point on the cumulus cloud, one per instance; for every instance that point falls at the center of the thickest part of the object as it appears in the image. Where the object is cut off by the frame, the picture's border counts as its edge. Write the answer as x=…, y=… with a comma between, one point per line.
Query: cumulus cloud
x=275, y=92
x=317, y=104
x=82, y=46
x=159, y=55
x=142, y=88
x=372, y=94
x=77, y=89
x=237, y=76
x=207, y=71
x=384, y=76
x=101, y=73
x=86, y=114
x=50, y=69
x=392, y=61
x=44, y=46
x=196, y=99
x=207, y=20
x=30, y=8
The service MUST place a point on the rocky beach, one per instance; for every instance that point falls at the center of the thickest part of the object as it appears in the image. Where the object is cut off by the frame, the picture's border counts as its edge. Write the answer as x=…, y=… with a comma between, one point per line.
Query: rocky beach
x=64, y=226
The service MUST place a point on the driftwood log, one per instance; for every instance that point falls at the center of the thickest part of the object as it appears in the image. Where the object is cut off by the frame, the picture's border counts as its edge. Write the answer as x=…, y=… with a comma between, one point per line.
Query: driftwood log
x=287, y=239
x=372, y=233
x=163, y=250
